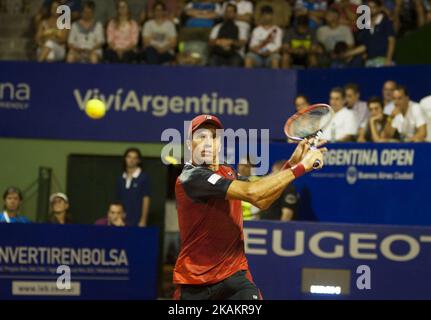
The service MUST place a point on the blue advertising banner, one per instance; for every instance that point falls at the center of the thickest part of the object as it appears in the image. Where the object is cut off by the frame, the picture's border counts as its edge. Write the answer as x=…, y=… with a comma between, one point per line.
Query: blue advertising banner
x=40, y=100
x=366, y=183
x=48, y=100
x=297, y=260
x=102, y=262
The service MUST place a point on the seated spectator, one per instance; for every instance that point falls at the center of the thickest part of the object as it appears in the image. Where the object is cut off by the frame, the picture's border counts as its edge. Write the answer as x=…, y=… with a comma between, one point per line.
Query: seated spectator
x=409, y=120
x=301, y=102
x=281, y=9
x=86, y=37
x=347, y=11
x=334, y=32
x=353, y=102
x=159, y=37
x=299, y=45
x=227, y=41
x=313, y=9
x=427, y=9
x=244, y=14
x=45, y=10
x=388, y=93
x=372, y=129
x=59, y=206
x=285, y=207
x=341, y=61
x=265, y=43
x=378, y=43
x=116, y=217
x=173, y=9
x=12, y=200
x=343, y=127
x=122, y=36
x=425, y=104
x=202, y=13
x=322, y=57
x=51, y=41
x=408, y=16
x=245, y=171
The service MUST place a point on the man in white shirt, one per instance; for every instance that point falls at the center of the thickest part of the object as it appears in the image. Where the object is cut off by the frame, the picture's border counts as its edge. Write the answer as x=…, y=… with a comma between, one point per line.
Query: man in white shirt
x=334, y=32
x=343, y=127
x=425, y=104
x=388, y=93
x=409, y=119
x=353, y=102
x=265, y=43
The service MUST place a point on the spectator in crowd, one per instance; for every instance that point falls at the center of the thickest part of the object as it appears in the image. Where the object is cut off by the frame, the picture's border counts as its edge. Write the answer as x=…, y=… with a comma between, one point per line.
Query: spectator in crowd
x=86, y=37
x=159, y=37
x=408, y=16
x=122, y=36
x=313, y=9
x=244, y=14
x=427, y=10
x=202, y=13
x=285, y=207
x=265, y=43
x=343, y=127
x=372, y=130
x=133, y=189
x=299, y=45
x=116, y=217
x=340, y=60
x=322, y=57
x=281, y=9
x=12, y=200
x=59, y=206
x=45, y=10
x=353, y=102
x=425, y=104
x=378, y=43
x=51, y=41
x=388, y=93
x=173, y=9
x=409, y=120
x=227, y=41
x=301, y=102
x=347, y=11
x=334, y=32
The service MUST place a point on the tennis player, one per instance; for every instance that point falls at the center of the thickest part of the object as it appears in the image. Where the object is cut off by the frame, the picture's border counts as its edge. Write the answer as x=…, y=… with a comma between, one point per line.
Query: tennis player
x=212, y=262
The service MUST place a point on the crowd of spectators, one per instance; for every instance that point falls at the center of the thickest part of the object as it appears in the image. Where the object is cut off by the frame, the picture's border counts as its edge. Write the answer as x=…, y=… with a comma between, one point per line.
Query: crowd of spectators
x=261, y=33
x=391, y=117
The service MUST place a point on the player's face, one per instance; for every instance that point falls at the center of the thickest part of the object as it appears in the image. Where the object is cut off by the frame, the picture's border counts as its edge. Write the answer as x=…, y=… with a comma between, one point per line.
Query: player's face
x=132, y=160
x=401, y=100
x=205, y=145
x=244, y=169
x=388, y=90
x=116, y=215
x=351, y=97
x=59, y=205
x=375, y=109
x=336, y=100
x=12, y=202
x=300, y=103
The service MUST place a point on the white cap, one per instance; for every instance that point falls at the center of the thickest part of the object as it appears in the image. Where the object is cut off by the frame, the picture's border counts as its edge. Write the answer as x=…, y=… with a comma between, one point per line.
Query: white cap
x=58, y=195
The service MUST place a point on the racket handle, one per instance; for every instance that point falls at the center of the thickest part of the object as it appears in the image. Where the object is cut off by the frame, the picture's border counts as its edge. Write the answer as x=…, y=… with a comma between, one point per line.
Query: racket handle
x=316, y=164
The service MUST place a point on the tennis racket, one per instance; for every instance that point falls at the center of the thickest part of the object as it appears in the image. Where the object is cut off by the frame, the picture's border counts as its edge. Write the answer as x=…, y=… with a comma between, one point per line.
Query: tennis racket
x=309, y=123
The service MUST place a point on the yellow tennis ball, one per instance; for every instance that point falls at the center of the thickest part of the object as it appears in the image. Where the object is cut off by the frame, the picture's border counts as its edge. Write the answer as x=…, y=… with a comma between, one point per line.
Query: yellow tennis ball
x=95, y=109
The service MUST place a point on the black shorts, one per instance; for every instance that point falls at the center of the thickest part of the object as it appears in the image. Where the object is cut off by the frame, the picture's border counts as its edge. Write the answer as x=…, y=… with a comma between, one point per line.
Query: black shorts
x=236, y=287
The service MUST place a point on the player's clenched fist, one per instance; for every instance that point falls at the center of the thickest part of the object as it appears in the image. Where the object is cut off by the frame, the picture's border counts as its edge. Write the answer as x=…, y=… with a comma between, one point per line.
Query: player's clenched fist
x=312, y=157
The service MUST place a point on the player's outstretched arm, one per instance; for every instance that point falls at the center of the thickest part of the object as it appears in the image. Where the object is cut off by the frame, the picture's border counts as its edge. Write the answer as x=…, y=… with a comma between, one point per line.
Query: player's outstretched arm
x=262, y=193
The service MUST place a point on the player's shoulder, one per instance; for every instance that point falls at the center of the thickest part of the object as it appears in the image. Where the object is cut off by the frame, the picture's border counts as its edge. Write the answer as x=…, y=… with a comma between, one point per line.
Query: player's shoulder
x=191, y=172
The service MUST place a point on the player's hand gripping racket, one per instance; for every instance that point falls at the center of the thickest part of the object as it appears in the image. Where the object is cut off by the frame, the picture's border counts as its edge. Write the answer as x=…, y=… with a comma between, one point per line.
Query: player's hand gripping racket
x=309, y=123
